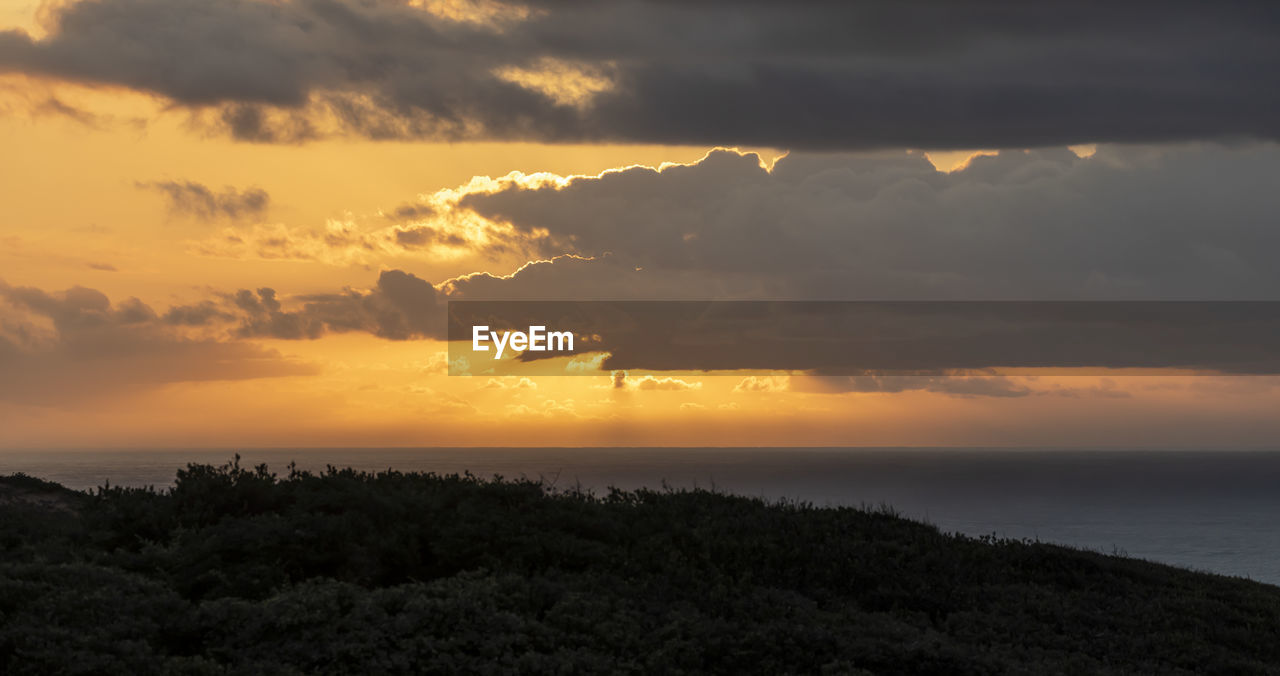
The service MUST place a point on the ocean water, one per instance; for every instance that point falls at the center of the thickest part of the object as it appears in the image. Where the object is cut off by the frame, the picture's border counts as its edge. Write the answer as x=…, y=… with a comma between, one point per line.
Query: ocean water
x=1216, y=511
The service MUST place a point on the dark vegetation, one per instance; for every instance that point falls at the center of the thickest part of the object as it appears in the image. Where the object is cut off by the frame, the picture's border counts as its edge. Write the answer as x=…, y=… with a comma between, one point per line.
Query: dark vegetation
x=237, y=571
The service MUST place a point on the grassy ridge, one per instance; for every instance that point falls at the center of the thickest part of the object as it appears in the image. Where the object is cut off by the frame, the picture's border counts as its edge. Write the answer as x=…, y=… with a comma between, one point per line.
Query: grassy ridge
x=236, y=570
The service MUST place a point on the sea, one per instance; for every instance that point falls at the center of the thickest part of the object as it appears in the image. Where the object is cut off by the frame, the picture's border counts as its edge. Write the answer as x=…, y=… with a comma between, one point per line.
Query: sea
x=1214, y=511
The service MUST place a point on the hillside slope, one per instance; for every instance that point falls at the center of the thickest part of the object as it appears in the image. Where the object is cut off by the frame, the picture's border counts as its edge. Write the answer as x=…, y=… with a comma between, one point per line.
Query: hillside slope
x=238, y=571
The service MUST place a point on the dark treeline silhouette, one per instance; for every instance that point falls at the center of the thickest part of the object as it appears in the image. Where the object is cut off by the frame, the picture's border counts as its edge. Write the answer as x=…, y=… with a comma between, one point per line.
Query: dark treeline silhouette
x=236, y=570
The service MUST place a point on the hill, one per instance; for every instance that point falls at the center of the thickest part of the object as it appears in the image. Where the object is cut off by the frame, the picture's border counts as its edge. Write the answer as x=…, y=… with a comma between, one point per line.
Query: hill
x=236, y=570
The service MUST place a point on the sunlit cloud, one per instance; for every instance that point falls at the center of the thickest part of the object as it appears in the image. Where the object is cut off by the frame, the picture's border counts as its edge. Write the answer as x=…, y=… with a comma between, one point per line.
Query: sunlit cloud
x=496, y=15
x=565, y=83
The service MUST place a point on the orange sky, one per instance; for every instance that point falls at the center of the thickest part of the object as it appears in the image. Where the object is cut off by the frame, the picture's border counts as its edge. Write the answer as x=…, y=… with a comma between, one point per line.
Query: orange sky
x=76, y=212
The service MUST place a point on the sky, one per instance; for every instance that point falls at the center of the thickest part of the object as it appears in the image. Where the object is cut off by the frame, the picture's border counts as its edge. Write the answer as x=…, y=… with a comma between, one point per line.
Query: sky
x=236, y=222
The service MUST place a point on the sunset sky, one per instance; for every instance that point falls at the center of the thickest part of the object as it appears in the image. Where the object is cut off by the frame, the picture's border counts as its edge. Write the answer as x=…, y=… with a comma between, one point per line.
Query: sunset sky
x=225, y=222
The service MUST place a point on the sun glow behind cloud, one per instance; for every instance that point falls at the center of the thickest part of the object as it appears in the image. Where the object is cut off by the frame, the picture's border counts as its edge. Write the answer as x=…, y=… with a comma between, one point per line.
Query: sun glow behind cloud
x=362, y=182
x=374, y=391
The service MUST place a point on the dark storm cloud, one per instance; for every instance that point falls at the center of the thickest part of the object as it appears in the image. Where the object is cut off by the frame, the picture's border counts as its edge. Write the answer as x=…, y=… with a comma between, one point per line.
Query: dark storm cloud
x=400, y=307
x=265, y=319
x=200, y=201
x=1131, y=223
x=860, y=74
x=203, y=313
x=99, y=348
x=77, y=308
x=1195, y=222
